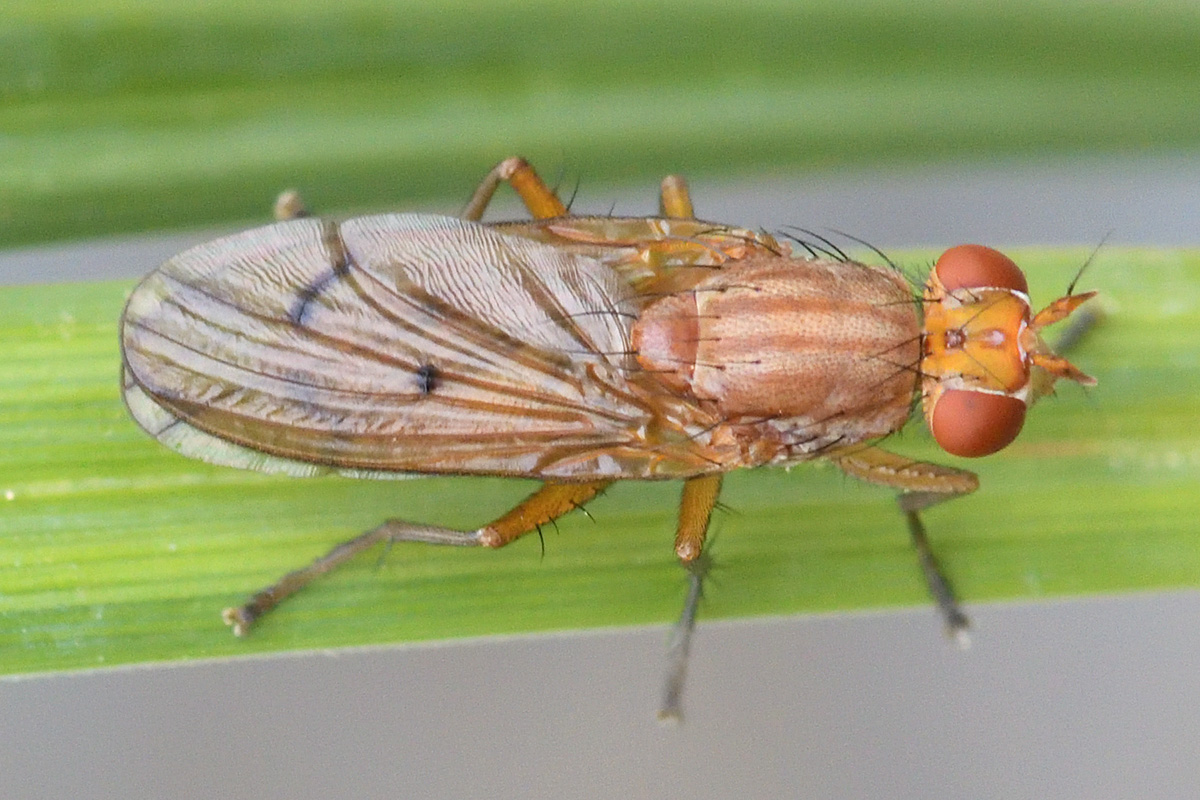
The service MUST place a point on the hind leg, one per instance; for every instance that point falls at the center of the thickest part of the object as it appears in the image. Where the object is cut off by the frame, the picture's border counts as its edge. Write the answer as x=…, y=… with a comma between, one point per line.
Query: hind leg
x=548, y=503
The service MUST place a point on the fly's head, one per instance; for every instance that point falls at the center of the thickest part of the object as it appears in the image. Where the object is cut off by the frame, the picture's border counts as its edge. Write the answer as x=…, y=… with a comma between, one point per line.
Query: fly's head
x=984, y=361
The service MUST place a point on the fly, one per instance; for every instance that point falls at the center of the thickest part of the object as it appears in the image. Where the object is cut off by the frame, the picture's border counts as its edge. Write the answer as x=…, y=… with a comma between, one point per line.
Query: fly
x=578, y=350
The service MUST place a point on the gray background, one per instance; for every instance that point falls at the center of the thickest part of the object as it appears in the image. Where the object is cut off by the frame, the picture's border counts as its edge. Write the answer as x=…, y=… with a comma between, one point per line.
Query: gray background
x=1091, y=698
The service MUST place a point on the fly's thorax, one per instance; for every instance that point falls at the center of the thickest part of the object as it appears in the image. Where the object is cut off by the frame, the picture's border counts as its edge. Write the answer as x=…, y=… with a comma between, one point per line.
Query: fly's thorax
x=804, y=346
x=665, y=338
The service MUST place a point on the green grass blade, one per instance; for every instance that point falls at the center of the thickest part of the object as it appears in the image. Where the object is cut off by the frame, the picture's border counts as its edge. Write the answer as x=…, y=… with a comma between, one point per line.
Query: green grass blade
x=115, y=551
x=133, y=115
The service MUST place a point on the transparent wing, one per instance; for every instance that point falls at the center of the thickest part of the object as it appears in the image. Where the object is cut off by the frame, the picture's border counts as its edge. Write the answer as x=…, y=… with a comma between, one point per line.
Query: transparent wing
x=653, y=254
x=395, y=343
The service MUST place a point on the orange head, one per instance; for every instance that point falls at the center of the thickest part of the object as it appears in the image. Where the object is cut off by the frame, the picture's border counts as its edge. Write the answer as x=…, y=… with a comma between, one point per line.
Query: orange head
x=984, y=361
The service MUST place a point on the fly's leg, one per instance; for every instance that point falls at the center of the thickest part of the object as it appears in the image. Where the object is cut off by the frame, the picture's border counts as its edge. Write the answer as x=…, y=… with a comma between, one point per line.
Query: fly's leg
x=548, y=503
x=957, y=623
x=922, y=485
x=543, y=203
x=674, y=200
x=680, y=643
x=695, y=511
x=289, y=205
x=534, y=193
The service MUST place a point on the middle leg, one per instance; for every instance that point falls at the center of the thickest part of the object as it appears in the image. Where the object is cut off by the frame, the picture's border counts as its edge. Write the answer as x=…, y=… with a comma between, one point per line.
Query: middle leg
x=539, y=198
x=674, y=199
x=695, y=511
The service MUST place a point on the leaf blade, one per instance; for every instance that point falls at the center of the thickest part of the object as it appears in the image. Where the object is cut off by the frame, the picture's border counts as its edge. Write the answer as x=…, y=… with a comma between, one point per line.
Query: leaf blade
x=116, y=551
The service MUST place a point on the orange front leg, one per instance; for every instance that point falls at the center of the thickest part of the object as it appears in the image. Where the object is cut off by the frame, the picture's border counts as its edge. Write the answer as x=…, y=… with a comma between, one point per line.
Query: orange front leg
x=921, y=485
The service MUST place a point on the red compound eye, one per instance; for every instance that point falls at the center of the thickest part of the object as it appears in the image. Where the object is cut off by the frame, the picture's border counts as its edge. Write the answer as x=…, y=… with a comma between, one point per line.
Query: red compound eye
x=972, y=424
x=973, y=266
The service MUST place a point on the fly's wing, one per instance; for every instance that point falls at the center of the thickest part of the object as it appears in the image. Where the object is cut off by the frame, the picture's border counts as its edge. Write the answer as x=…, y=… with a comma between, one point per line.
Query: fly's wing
x=656, y=255
x=393, y=343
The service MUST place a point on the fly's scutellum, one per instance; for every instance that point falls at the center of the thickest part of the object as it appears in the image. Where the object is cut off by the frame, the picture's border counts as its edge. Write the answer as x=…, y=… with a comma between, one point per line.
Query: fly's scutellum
x=578, y=350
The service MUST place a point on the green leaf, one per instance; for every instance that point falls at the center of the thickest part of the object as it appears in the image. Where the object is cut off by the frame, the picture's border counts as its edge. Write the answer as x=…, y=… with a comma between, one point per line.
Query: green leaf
x=114, y=550
x=120, y=115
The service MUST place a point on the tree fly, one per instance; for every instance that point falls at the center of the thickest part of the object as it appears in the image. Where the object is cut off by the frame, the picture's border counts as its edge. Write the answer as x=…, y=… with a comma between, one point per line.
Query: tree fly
x=577, y=350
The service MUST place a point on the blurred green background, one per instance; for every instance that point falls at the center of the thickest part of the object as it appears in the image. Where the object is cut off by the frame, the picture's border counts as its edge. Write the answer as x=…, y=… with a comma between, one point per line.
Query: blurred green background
x=128, y=115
